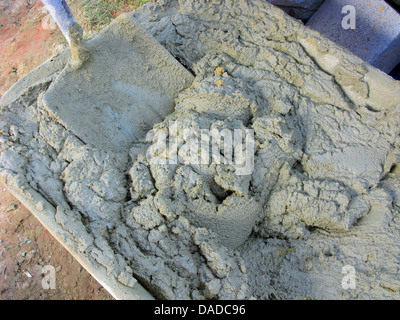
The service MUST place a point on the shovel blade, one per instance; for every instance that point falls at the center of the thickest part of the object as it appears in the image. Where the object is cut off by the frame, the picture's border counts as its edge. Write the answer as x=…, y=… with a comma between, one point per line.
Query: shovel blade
x=128, y=84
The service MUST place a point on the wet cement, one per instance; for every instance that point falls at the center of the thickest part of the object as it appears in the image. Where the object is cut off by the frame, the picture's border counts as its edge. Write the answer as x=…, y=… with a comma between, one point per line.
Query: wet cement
x=323, y=195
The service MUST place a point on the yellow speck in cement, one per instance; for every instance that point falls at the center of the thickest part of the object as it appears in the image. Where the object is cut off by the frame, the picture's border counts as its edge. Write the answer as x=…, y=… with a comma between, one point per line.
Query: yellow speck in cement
x=219, y=83
x=381, y=9
x=219, y=71
x=195, y=85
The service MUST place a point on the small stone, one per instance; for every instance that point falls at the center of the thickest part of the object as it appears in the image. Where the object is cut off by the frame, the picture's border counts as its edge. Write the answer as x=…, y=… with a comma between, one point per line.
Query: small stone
x=28, y=274
x=28, y=241
x=48, y=23
x=12, y=207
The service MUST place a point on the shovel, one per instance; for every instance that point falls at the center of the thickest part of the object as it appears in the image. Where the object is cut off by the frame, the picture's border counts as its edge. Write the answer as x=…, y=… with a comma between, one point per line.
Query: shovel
x=116, y=85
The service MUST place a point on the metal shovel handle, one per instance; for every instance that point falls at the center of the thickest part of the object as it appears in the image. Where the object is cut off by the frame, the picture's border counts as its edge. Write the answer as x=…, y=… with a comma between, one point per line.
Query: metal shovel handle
x=62, y=15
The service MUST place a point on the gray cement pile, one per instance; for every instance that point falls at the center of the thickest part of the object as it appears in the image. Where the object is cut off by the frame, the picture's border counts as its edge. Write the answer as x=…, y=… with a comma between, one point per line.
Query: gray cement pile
x=318, y=215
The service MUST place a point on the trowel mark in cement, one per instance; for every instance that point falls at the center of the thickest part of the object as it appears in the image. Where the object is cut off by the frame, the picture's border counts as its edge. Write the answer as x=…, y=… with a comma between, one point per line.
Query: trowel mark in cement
x=141, y=104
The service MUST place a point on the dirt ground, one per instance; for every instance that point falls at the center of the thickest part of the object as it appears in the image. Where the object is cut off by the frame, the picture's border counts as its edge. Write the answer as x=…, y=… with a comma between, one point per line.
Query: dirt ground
x=31, y=260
